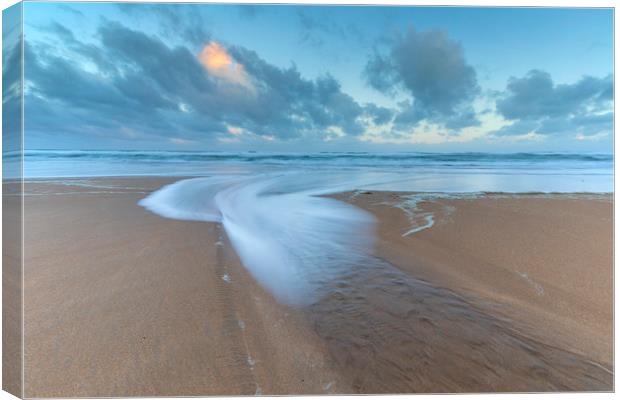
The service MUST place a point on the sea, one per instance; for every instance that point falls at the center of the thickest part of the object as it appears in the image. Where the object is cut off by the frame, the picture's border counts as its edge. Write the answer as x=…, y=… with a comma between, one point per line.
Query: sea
x=404, y=171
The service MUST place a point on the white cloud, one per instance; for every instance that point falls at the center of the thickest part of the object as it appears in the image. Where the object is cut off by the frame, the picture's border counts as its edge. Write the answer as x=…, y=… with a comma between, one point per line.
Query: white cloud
x=596, y=136
x=180, y=141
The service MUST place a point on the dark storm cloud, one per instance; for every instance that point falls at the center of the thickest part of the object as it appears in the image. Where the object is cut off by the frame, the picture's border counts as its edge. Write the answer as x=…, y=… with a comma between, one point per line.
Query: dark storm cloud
x=535, y=102
x=431, y=68
x=146, y=88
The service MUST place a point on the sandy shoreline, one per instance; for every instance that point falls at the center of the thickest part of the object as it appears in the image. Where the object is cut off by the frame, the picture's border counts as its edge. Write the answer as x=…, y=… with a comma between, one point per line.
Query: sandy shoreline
x=545, y=260
x=122, y=302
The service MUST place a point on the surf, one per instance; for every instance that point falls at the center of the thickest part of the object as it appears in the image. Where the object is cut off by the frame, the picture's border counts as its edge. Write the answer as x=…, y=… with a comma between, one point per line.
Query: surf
x=287, y=235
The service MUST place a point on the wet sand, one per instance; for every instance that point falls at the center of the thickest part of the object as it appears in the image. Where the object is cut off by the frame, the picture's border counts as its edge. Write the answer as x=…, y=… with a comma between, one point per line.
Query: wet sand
x=121, y=302
x=503, y=293
x=541, y=260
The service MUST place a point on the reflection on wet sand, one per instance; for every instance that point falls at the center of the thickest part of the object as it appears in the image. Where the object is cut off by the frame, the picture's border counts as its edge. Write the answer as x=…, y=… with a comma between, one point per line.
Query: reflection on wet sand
x=392, y=333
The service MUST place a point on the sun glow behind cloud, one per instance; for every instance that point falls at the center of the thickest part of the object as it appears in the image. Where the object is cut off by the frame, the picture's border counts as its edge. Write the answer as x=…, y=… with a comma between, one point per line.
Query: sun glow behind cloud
x=234, y=130
x=218, y=62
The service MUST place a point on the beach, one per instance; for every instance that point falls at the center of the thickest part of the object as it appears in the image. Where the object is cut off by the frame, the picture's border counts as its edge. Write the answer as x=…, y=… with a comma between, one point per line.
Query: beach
x=501, y=293
x=299, y=199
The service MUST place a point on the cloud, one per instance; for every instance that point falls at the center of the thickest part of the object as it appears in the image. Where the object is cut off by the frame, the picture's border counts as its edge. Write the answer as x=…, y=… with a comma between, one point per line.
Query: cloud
x=249, y=11
x=535, y=96
x=594, y=137
x=140, y=91
x=129, y=81
x=11, y=82
x=184, y=21
x=218, y=62
x=234, y=130
x=71, y=10
x=289, y=105
x=316, y=29
x=180, y=141
x=431, y=69
x=379, y=115
x=536, y=104
x=431, y=133
x=517, y=128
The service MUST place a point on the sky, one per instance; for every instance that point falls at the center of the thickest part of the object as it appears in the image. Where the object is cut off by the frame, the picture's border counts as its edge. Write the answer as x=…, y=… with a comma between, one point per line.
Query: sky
x=317, y=78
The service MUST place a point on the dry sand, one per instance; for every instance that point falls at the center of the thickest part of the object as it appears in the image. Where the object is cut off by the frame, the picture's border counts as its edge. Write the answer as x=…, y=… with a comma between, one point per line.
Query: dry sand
x=121, y=302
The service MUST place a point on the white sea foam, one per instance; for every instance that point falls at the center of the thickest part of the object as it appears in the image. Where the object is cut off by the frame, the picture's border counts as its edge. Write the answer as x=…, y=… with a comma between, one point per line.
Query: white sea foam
x=421, y=219
x=287, y=236
x=429, y=221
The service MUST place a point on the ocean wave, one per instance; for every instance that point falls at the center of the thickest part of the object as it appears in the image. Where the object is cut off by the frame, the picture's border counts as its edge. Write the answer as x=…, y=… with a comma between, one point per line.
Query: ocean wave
x=351, y=158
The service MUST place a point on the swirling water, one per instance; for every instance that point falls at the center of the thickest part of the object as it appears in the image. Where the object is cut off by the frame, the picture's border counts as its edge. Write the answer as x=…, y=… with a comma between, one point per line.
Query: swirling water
x=291, y=241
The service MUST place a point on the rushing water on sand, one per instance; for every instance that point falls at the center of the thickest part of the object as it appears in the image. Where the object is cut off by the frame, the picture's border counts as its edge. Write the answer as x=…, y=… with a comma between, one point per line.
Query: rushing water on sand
x=291, y=238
